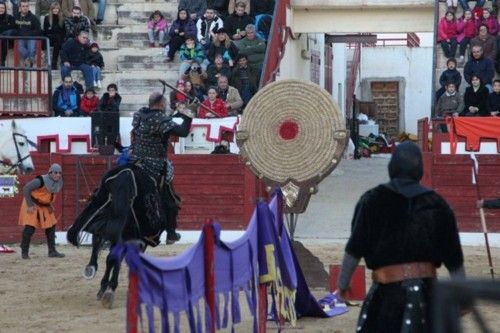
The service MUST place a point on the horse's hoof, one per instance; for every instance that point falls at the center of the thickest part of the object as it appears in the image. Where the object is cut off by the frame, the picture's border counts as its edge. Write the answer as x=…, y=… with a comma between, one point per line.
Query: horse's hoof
x=100, y=293
x=107, y=298
x=89, y=272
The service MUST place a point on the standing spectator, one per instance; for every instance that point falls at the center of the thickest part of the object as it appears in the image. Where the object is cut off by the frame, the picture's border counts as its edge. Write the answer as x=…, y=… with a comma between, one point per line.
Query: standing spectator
x=94, y=59
x=73, y=53
x=261, y=7
x=229, y=95
x=490, y=21
x=66, y=99
x=111, y=100
x=466, y=31
x=236, y=23
x=480, y=66
x=487, y=42
x=37, y=210
x=157, y=28
x=254, y=48
x=42, y=7
x=476, y=99
x=196, y=7
x=244, y=79
x=27, y=24
x=191, y=52
x=183, y=26
x=77, y=23
x=224, y=46
x=494, y=99
x=7, y=28
x=214, y=103
x=220, y=6
x=89, y=102
x=206, y=26
x=449, y=75
x=216, y=69
x=447, y=34
x=53, y=28
x=451, y=103
x=465, y=5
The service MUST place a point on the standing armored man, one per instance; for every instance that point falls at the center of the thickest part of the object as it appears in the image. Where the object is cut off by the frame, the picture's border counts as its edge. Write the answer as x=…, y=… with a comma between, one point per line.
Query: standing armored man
x=404, y=231
x=151, y=129
x=37, y=210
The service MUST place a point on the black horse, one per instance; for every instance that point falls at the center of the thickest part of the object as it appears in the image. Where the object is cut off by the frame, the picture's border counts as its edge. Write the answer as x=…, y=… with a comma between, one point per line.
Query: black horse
x=125, y=207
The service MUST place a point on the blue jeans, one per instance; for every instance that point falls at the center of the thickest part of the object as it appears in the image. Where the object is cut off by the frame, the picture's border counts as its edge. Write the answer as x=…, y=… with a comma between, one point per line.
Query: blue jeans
x=100, y=10
x=465, y=5
x=27, y=48
x=96, y=73
x=86, y=70
x=153, y=34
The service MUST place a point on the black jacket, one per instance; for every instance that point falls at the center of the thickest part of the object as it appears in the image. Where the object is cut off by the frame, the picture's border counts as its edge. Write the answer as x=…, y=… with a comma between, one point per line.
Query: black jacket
x=234, y=22
x=478, y=99
x=73, y=52
x=92, y=58
x=452, y=76
x=252, y=78
x=493, y=102
x=108, y=104
x=7, y=22
x=55, y=30
x=261, y=7
x=221, y=49
x=482, y=67
x=28, y=25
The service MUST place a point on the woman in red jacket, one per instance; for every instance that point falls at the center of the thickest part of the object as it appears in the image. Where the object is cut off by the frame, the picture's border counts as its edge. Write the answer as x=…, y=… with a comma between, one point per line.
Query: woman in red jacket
x=213, y=102
x=447, y=34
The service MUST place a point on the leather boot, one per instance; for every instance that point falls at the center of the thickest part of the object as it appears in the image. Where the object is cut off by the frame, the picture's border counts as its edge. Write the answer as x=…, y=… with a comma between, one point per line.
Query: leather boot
x=51, y=243
x=25, y=241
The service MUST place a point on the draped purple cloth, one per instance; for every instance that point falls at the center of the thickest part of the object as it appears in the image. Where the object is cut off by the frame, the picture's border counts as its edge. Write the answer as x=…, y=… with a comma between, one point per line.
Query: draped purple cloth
x=176, y=285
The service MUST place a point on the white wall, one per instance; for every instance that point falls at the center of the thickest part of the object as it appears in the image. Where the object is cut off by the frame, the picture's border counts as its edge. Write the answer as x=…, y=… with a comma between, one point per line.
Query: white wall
x=339, y=74
x=412, y=66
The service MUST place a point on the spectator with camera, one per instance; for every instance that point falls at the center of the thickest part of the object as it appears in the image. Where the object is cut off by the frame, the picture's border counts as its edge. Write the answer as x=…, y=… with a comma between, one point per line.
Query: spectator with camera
x=194, y=78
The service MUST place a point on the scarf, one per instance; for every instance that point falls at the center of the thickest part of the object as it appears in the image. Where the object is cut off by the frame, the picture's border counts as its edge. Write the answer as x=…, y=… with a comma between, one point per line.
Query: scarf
x=52, y=185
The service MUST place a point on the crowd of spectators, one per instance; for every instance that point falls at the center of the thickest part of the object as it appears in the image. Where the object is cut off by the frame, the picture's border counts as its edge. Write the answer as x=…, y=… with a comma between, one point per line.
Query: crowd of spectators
x=476, y=31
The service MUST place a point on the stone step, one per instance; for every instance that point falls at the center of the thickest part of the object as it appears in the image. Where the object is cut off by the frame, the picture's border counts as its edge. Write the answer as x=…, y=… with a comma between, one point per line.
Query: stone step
x=138, y=13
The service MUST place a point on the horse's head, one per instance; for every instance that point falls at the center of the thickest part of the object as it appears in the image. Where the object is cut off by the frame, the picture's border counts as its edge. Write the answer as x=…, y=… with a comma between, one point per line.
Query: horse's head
x=14, y=150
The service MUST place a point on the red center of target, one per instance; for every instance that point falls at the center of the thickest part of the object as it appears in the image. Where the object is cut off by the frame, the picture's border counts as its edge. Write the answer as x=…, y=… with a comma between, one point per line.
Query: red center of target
x=289, y=130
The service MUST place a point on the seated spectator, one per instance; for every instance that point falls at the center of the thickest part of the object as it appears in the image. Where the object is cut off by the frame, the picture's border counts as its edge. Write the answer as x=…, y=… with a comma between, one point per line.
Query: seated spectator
x=66, y=99
x=449, y=75
x=447, y=34
x=191, y=52
x=157, y=29
x=490, y=21
x=192, y=93
x=236, y=23
x=7, y=28
x=111, y=100
x=94, y=59
x=220, y=6
x=466, y=31
x=86, y=6
x=224, y=46
x=465, y=5
x=480, y=66
x=451, y=103
x=232, y=5
x=475, y=99
x=206, y=26
x=194, y=78
x=27, y=24
x=214, y=103
x=486, y=41
x=216, y=69
x=229, y=95
x=245, y=79
x=176, y=96
x=76, y=23
x=53, y=28
x=43, y=7
x=254, y=48
x=73, y=54
x=494, y=99
x=89, y=102
x=258, y=7
x=183, y=26
x=196, y=8
x=263, y=23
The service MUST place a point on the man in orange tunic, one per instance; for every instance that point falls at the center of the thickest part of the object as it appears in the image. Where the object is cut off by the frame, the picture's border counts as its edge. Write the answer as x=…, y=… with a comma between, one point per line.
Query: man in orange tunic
x=37, y=210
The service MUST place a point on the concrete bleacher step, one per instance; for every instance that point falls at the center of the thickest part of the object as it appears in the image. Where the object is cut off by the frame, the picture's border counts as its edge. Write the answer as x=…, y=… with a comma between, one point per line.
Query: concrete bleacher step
x=139, y=62
x=138, y=13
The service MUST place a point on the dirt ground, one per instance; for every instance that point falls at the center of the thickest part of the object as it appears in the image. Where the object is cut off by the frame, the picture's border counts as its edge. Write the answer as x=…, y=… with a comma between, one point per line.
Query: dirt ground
x=50, y=295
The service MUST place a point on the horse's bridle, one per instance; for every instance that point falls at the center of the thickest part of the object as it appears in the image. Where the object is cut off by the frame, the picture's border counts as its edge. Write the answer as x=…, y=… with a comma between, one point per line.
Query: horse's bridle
x=20, y=159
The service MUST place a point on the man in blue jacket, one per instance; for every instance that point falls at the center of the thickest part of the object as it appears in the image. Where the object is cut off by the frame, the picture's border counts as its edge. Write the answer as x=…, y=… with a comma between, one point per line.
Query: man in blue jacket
x=480, y=66
x=66, y=99
x=73, y=57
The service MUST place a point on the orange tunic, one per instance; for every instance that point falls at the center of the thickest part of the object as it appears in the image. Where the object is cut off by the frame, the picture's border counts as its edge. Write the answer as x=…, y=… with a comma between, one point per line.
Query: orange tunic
x=43, y=216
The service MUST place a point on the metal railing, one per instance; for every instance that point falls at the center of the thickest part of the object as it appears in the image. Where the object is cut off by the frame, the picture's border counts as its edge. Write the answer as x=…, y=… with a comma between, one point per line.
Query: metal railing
x=411, y=40
x=25, y=90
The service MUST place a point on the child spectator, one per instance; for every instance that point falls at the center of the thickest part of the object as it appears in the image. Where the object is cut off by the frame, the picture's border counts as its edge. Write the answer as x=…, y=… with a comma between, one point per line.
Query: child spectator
x=183, y=26
x=476, y=99
x=7, y=28
x=66, y=99
x=194, y=81
x=450, y=103
x=94, y=59
x=224, y=46
x=157, y=28
x=110, y=101
x=486, y=41
x=494, y=99
x=176, y=96
x=191, y=52
x=450, y=75
x=214, y=103
x=490, y=21
x=447, y=34
x=53, y=28
x=89, y=102
x=466, y=31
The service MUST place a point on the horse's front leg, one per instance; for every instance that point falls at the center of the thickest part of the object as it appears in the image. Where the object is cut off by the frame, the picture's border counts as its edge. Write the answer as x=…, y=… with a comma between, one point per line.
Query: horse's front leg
x=105, y=278
x=90, y=270
x=109, y=293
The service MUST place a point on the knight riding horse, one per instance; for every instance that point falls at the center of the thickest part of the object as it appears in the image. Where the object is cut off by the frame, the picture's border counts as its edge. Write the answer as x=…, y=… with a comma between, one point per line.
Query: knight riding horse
x=136, y=201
